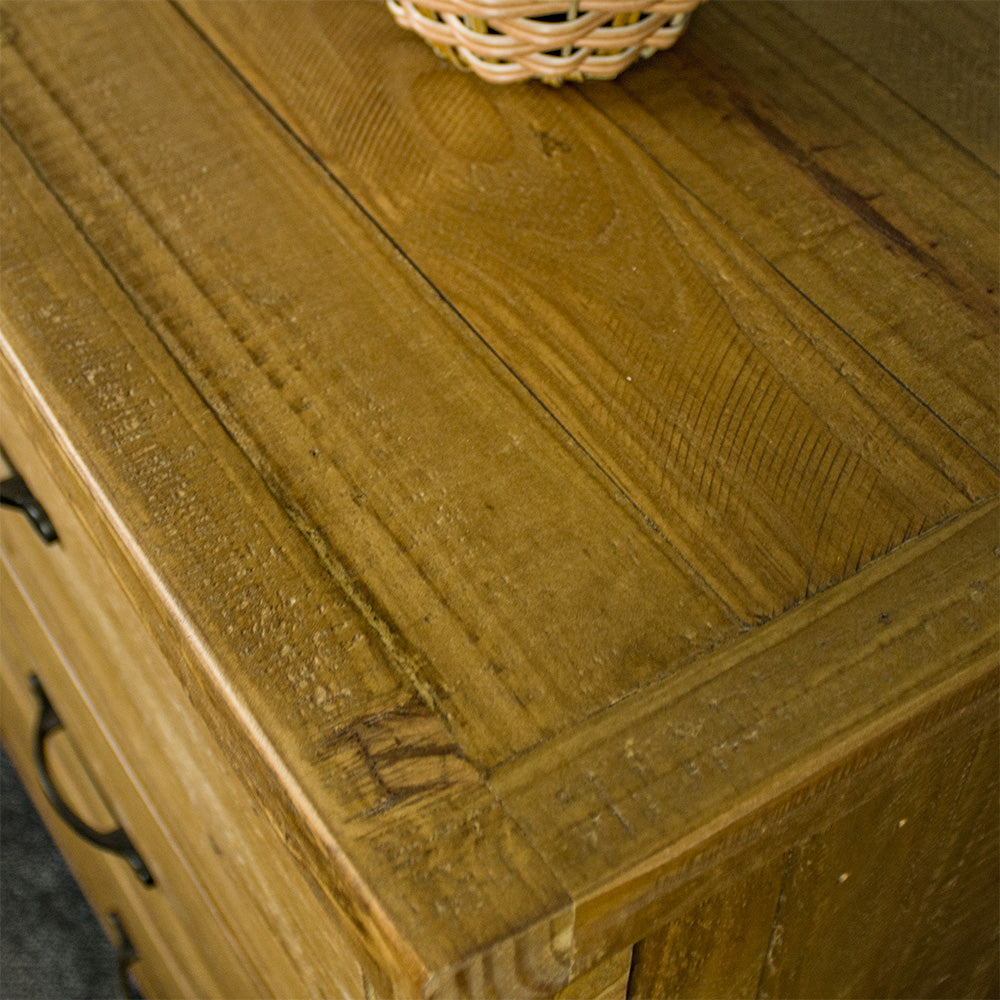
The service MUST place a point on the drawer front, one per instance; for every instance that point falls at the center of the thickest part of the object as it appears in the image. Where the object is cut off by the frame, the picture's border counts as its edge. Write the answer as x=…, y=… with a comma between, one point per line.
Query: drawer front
x=197, y=804
x=168, y=961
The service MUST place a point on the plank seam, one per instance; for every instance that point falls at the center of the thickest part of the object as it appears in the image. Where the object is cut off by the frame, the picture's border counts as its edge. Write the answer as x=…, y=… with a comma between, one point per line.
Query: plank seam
x=774, y=922
x=233, y=701
x=789, y=11
x=728, y=655
x=577, y=444
x=707, y=208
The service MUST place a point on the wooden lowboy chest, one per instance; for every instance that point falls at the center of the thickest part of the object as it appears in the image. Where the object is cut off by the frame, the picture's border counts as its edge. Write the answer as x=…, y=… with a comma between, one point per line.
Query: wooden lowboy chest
x=507, y=541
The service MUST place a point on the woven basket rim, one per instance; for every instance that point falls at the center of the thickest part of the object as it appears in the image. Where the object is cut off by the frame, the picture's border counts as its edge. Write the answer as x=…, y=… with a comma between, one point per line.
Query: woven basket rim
x=507, y=41
x=504, y=9
x=519, y=38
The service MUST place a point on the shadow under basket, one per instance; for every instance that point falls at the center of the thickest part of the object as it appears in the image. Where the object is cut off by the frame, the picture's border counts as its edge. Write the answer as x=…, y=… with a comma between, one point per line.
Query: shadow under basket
x=506, y=41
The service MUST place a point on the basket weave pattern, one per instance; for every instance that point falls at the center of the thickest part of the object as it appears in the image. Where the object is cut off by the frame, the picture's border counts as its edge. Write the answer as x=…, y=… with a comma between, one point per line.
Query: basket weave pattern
x=506, y=41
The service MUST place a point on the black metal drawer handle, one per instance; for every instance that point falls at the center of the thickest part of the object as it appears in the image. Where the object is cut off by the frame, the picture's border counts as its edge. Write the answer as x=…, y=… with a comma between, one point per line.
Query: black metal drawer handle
x=14, y=492
x=125, y=955
x=115, y=841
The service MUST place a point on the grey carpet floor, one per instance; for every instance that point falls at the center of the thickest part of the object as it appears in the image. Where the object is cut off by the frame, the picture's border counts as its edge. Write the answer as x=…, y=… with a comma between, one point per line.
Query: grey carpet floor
x=51, y=945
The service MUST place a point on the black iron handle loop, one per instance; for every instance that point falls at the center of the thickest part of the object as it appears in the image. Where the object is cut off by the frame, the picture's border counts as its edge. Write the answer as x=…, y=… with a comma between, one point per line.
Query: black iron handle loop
x=14, y=492
x=125, y=956
x=116, y=841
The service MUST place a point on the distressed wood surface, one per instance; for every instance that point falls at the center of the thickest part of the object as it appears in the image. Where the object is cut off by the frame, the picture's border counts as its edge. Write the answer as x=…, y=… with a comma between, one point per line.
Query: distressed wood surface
x=571, y=512
x=254, y=890
x=939, y=56
x=432, y=485
x=726, y=408
x=379, y=762
x=665, y=792
x=822, y=170
x=826, y=917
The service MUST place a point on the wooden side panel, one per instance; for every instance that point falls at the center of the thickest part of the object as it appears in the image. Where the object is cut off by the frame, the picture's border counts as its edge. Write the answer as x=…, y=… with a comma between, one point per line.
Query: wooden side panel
x=717, y=947
x=899, y=896
x=682, y=791
x=156, y=750
x=896, y=897
x=170, y=962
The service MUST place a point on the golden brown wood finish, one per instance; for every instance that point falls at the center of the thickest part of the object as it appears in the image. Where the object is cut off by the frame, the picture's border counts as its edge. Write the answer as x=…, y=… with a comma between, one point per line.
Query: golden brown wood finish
x=685, y=783
x=209, y=951
x=822, y=170
x=717, y=948
x=171, y=962
x=452, y=491
x=571, y=514
x=287, y=611
x=940, y=57
x=254, y=890
x=824, y=918
x=606, y=981
x=727, y=410
x=903, y=857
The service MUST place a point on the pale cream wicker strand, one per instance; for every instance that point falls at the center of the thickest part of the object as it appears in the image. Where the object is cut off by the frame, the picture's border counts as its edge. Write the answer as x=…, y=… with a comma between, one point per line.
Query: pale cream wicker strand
x=506, y=41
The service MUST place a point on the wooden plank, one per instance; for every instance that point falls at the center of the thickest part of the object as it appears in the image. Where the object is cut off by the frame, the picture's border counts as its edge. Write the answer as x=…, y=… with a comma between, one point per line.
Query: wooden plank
x=505, y=576
x=244, y=612
x=704, y=778
x=941, y=56
x=606, y=981
x=726, y=406
x=853, y=197
x=905, y=883
x=717, y=947
x=893, y=896
x=254, y=888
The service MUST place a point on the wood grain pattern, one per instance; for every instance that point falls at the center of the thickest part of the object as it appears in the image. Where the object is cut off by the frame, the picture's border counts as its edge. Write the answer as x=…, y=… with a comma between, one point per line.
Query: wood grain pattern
x=258, y=616
x=822, y=169
x=920, y=853
x=700, y=778
x=717, y=947
x=432, y=485
x=571, y=515
x=688, y=385
x=825, y=917
x=198, y=813
x=943, y=58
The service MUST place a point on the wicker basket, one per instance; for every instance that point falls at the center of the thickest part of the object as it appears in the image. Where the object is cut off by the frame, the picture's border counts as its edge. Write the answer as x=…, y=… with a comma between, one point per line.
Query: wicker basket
x=505, y=41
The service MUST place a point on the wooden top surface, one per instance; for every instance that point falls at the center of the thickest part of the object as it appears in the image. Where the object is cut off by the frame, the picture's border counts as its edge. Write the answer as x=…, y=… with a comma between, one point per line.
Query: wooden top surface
x=543, y=482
